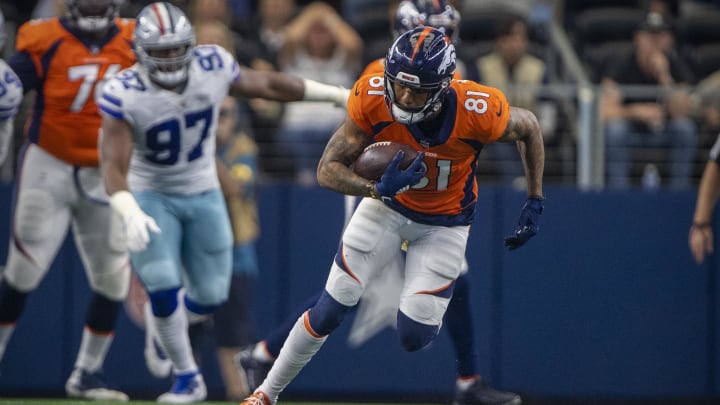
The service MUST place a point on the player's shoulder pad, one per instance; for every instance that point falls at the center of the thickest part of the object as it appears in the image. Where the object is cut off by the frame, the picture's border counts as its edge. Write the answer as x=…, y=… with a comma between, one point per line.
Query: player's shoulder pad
x=479, y=98
x=215, y=58
x=120, y=92
x=127, y=81
x=126, y=27
x=37, y=35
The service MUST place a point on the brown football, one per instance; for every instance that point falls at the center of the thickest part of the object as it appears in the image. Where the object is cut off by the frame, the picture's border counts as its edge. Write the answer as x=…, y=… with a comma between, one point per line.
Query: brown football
x=374, y=159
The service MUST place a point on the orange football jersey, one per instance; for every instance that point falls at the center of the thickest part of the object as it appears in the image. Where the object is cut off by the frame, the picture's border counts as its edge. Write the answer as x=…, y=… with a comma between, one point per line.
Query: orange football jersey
x=65, y=119
x=377, y=67
x=473, y=115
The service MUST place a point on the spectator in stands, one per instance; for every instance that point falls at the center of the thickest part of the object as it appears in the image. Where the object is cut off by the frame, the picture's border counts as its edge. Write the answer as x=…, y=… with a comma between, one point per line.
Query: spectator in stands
x=201, y=11
x=651, y=118
x=520, y=75
x=319, y=44
x=259, y=44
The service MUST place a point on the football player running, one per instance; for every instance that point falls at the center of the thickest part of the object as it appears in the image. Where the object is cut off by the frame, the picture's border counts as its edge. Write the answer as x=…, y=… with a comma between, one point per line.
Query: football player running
x=470, y=388
x=158, y=164
x=63, y=59
x=11, y=95
x=430, y=204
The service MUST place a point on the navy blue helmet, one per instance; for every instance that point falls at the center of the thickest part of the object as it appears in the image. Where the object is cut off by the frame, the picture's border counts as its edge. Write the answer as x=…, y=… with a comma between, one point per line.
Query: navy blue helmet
x=422, y=59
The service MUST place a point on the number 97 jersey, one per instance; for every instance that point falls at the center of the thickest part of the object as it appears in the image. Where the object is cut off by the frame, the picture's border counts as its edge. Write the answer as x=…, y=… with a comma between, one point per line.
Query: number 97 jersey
x=472, y=116
x=173, y=132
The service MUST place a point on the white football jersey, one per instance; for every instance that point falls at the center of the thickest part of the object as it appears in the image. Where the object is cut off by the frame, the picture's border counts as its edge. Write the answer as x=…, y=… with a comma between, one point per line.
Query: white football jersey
x=173, y=133
x=11, y=95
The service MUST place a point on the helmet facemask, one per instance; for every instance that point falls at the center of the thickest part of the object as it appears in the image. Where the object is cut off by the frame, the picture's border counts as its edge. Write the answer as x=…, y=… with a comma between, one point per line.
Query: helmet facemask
x=92, y=15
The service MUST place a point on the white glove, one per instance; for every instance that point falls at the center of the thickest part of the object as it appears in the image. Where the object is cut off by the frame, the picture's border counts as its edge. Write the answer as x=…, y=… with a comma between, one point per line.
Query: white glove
x=137, y=225
x=316, y=91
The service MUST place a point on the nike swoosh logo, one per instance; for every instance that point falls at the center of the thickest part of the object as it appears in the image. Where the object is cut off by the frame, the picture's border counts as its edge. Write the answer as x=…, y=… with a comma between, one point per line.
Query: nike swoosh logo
x=499, y=113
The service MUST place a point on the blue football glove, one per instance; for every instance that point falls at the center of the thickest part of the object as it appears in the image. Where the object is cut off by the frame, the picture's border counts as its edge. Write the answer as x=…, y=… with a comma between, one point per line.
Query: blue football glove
x=395, y=180
x=528, y=224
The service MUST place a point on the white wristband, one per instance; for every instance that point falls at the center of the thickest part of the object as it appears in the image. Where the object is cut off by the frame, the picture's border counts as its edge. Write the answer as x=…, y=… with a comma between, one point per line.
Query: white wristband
x=124, y=203
x=316, y=91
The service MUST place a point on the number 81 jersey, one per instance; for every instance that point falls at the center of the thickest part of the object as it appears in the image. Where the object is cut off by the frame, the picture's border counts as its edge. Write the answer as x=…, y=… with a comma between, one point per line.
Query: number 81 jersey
x=173, y=132
x=473, y=115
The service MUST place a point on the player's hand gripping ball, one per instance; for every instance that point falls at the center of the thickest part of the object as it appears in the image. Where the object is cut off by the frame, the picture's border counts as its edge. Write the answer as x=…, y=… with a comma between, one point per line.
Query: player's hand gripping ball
x=373, y=161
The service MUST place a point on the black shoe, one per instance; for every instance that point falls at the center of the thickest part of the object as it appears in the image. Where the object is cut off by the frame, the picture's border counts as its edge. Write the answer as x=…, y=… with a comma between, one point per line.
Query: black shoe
x=480, y=393
x=255, y=370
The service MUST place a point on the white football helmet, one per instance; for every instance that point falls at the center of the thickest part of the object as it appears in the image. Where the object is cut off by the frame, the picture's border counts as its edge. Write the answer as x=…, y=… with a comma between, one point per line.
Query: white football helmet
x=93, y=15
x=164, y=41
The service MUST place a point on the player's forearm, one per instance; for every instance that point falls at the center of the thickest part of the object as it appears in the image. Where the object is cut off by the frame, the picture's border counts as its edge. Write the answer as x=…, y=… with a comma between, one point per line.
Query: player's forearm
x=114, y=180
x=338, y=177
x=532, y=150
x=707, y=194
x=531, y=147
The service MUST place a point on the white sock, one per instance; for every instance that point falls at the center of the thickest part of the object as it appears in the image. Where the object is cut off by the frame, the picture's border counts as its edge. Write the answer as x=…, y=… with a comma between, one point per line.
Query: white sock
x=6, y=332
x=299, y=348
x=465, y=382
x=173, y=335
x=93, y=349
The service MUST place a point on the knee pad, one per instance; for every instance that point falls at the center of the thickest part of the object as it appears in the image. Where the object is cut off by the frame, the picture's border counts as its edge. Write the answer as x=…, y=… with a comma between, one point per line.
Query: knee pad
x=21, y=273
x=343, y=286
x=207, y=296
x=112, y=284
x=425, y=308
x=327, y=314
x=164, y=302
x=414, y=335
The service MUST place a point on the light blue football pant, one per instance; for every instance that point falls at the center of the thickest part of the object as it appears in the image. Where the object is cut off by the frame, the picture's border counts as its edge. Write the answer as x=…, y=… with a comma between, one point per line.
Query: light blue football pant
x=194, y=248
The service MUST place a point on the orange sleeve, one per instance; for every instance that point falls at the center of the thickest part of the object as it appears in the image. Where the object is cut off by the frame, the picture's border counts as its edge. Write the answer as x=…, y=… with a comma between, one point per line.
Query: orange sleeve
x=363, y=92
x=126, y=26
x=500, y=109
x=485, y=110
x=35, y=38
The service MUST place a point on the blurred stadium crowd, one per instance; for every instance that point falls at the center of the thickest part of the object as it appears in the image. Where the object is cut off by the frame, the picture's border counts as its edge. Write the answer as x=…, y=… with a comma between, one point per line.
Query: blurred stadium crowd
x=515, y=45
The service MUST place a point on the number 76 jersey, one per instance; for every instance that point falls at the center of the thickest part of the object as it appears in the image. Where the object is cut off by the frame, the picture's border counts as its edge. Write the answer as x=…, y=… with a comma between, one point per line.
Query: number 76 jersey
x=472, y=116
x=66, y=71
x=173, y=132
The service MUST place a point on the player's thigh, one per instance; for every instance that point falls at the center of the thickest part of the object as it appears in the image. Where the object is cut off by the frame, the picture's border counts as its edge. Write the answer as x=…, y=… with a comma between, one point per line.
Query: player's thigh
x=433, y=263
x=369, y=243
x=207, y=249
x=41, y=217
x=106, y=267
x=158, y=266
